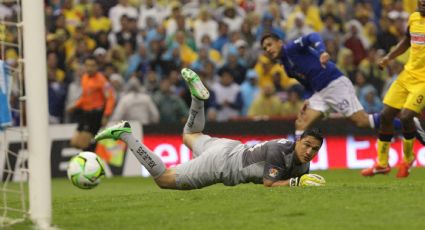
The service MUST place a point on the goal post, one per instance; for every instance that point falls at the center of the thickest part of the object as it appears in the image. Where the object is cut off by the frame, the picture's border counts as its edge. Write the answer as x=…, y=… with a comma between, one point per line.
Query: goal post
x=40, y=202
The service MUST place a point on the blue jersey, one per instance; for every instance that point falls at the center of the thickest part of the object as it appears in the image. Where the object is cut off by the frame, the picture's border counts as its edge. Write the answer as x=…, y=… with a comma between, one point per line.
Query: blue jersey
x=301, y=60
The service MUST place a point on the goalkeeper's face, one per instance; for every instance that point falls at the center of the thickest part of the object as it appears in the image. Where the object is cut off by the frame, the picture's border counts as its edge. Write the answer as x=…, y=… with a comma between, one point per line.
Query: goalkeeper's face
x=306, y=148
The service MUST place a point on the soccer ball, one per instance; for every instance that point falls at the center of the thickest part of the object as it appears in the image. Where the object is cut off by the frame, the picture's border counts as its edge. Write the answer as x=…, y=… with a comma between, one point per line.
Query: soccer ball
x=85, y=170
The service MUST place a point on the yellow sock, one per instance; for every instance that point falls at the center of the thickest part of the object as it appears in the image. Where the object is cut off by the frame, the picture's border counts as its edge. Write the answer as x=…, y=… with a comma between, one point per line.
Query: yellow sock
x=409, y=156
x=383, y=150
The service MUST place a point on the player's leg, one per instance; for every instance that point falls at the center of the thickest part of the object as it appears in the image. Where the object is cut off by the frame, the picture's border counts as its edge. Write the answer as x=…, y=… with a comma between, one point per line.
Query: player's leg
x=146, y=157
x=196, y=122
x=95, y=122
x=82, y=137
x=313, y=110
x=412, y=108
x=394, y=100
x=386, y=133
x=409, y=130
x=305, y=119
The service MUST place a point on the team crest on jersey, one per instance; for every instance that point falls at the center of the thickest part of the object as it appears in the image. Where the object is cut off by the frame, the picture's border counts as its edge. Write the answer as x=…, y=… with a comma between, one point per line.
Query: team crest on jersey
x=273, y=172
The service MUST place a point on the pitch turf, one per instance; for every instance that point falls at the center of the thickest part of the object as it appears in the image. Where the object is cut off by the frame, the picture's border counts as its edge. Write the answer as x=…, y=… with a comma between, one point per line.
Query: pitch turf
x=348, y=201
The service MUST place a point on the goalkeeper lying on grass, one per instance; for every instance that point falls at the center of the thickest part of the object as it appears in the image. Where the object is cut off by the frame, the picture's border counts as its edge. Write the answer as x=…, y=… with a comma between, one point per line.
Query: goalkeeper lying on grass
x=278, y=162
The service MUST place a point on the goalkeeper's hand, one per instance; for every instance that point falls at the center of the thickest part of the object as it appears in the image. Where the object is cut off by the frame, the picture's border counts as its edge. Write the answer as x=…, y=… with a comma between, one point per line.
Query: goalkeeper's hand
x=307, y=180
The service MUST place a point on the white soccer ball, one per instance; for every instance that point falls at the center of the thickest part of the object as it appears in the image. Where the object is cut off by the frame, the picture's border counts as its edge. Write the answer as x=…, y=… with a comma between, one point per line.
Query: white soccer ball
x=85, y=170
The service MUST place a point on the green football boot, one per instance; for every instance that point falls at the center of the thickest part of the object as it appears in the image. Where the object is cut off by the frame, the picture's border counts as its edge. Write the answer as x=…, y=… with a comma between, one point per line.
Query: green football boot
x=197, y=88
x=114, y=131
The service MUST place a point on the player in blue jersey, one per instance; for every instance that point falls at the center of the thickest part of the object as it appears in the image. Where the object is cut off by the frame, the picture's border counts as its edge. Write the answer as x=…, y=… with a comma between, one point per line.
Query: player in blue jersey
x=306, y=60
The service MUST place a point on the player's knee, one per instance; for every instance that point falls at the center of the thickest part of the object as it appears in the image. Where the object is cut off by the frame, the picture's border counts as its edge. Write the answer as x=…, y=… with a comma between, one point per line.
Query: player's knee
x=167, y=180
x=300, y=124
x=406, y=117
x=386, y=118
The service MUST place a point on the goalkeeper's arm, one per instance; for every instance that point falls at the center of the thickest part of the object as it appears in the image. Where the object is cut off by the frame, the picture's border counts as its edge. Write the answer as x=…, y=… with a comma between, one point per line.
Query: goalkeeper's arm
x=304, y=180
x=270, y=183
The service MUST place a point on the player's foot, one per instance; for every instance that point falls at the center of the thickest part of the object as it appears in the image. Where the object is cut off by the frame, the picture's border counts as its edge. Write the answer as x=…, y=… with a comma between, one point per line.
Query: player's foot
x=404, y=169
x=376, y=169
x=197, y=89
x=420, y=132
x=114, y=131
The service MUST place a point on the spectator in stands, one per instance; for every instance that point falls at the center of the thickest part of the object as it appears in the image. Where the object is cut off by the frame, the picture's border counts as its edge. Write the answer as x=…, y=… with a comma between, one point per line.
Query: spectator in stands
x=75, y=42
x=268, y=27
x=73, y=18
x=369, y=66
x=150, y=9
x=182, y=29
x=136, y=105
x=246, y=32
x=299, y=29
x=117, y=83
x=370, y=100
x=101, y=57
x=204, y=25
x=187, y=53
x=151, y=82
x=56, y=90
x=267, y=70
x=229, y=100
x=355, y=41
x=172, y=109
x=385, y=39
x=249, y=90
x=232, y=64
x=98, y=21
x=266, y=104
x=294, y=103
x=345, y=63
x=232, y=18
x=331, y=30
x=125, y=34
x=171, y=24
x=223, y=36
x=138, y=62
x=311, y=13
x=84, y=8
x=73, y=93
x=120, y=9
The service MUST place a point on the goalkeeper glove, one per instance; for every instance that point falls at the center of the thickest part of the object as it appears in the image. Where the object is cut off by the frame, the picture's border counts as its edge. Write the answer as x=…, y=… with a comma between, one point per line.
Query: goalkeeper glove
x=307, y=180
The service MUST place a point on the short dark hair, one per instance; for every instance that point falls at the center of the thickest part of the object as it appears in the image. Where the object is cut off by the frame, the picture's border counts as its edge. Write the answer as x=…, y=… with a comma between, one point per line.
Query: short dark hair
x=269, y=35
x=313, y=132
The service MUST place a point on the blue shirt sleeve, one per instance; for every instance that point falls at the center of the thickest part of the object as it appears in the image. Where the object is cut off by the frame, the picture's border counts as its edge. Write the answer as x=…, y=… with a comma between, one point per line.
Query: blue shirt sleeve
x=311, y=40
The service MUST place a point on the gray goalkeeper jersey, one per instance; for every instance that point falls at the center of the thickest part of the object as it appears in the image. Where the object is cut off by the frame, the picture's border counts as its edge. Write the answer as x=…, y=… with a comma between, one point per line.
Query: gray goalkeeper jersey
x=221, y=160
x=274, y=160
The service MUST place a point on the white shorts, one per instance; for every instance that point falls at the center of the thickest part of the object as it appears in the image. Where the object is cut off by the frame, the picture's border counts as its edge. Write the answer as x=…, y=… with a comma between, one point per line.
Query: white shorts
x=339, y=96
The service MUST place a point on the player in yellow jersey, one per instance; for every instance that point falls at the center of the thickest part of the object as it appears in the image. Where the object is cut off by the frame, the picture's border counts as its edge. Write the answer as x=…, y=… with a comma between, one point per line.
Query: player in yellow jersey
x=405, y=97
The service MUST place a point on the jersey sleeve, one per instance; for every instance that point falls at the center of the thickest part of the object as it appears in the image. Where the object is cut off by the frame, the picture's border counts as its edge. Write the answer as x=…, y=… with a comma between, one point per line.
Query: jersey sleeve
x=274, y=166
x=312, y=40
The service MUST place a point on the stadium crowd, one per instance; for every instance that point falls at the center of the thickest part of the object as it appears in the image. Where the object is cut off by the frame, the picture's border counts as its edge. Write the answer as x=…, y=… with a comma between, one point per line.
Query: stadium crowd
x=141, y=45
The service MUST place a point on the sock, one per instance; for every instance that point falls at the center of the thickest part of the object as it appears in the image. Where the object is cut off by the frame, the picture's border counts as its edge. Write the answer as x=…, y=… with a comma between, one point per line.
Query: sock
x=196, y=121
x=408, y=141
x=298, y=134
x=384, y=143
x=375, y=121
x=147, y=158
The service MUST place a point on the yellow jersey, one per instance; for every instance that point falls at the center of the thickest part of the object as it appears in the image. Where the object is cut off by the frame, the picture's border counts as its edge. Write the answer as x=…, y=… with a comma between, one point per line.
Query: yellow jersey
x=416, y=63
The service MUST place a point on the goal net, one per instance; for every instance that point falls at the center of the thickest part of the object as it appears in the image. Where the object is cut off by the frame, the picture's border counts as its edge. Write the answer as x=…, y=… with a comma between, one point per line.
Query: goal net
x=13, y=158
x=24, y=151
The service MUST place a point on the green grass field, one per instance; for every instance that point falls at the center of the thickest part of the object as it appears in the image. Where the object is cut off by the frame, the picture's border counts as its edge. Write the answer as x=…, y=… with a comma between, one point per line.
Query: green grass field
x=348, y=201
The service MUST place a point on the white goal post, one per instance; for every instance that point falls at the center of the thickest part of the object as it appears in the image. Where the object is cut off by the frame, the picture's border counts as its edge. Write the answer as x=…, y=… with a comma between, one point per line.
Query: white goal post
x=40, y=201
